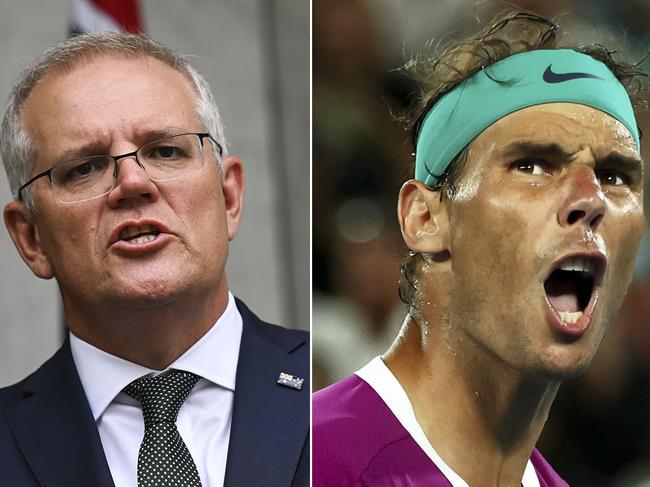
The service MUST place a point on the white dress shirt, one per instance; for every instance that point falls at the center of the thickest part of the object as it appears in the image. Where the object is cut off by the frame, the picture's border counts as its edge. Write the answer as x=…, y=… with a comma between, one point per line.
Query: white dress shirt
x=204, y=418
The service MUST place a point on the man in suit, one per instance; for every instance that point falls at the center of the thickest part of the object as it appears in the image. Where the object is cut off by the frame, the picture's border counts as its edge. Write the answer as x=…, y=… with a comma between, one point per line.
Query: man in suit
x=125, y=194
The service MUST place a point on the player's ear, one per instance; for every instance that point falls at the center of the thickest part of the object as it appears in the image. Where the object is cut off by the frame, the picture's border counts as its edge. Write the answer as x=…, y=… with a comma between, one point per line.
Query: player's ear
x=423, y=218
x=22, y=229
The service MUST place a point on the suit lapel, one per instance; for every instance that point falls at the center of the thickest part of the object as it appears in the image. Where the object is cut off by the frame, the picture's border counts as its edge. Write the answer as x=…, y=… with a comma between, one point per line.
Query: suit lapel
x=55, y=429
x=265, y=444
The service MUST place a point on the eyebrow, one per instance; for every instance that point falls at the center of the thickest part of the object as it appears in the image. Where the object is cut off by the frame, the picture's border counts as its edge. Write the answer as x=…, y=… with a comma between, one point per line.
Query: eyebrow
x=554, y=150
x=90, y=149
x=527, y=147
x=620, y=161
x=97, y=148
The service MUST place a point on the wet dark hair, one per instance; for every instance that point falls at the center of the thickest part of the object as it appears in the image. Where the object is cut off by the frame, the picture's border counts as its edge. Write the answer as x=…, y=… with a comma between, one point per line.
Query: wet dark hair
x=511, y=32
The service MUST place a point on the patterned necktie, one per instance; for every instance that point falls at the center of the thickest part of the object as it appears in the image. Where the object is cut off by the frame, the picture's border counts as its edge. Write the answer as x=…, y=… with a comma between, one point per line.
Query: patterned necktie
x=164, y=460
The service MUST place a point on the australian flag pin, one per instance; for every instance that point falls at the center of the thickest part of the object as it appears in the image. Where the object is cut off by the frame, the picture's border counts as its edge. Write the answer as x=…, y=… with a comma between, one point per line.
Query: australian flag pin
x=289, y=380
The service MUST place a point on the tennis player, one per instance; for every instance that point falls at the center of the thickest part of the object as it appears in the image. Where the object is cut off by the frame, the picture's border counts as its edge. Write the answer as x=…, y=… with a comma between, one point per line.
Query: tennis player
x=523, y=220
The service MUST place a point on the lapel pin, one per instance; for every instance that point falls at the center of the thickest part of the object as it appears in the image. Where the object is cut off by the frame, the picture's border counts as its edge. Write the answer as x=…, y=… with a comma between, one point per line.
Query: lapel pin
x=289, y=380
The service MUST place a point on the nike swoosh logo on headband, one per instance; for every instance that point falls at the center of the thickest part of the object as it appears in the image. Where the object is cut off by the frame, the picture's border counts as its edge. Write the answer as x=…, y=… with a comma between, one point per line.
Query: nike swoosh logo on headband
x=551, y=77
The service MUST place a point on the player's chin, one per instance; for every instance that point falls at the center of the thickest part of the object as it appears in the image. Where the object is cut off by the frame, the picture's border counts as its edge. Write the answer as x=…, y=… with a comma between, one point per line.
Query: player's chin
x=562, y=365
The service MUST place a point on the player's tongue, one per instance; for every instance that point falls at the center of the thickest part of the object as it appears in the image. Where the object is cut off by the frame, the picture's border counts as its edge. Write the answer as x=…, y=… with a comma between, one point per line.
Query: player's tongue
x=563, y=292
x=563, y=300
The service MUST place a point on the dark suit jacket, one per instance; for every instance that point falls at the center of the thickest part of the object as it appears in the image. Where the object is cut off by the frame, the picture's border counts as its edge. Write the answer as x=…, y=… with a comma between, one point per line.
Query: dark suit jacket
x=48, y=436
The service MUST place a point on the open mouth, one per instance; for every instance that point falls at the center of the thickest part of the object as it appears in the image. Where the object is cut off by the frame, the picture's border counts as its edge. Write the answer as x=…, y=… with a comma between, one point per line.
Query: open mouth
x=141, y=234
x=571, y=285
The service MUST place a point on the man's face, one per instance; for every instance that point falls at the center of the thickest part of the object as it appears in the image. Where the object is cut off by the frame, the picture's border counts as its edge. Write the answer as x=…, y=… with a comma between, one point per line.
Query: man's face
x=543, y=233
x=112, y=105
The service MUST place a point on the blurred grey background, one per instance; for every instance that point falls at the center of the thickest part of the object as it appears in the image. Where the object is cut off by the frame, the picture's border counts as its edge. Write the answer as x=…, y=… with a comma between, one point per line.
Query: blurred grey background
x=255, y=54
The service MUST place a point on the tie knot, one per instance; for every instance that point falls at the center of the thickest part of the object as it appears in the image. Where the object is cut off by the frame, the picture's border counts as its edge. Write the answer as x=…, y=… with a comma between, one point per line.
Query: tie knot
x=163, y=395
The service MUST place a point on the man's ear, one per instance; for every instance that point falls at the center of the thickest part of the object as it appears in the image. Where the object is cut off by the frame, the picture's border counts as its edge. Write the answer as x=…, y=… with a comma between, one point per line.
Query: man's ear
x=233, y=183
x=23, y=232
x=423, y=218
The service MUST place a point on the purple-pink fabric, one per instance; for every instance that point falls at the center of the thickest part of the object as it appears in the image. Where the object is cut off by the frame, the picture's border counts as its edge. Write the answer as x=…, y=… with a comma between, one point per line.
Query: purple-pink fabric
x=357, y=441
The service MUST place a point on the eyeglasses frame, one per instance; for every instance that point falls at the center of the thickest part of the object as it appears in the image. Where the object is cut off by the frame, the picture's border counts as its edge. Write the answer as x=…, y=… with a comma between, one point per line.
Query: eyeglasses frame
x=134, y=154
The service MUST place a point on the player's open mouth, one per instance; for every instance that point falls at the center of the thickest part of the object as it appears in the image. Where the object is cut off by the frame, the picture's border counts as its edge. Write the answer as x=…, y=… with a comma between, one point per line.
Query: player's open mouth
x=139, y=234
x=571, y=289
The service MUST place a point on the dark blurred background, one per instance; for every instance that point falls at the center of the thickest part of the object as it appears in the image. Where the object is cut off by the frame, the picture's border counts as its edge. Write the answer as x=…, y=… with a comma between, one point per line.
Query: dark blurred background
x=598, y=433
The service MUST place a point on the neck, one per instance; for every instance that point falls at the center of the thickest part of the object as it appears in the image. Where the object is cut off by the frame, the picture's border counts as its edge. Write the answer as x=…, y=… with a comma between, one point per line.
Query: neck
x=151, y=336
x=482, y=416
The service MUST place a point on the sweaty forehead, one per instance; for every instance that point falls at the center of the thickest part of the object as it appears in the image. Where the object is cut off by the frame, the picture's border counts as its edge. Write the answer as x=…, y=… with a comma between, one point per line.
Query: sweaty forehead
x=570, y=125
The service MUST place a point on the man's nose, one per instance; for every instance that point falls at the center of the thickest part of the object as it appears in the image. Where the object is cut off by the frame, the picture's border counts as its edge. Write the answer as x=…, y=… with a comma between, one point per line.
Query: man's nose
x=585, y=203
x=132, y=183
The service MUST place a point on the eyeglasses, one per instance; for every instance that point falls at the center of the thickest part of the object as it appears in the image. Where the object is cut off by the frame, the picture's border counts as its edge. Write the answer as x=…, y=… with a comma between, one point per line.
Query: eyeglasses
x=91, y=177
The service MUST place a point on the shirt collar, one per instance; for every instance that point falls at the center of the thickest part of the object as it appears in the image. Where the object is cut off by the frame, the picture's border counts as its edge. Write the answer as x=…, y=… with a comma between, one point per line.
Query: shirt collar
x=214, y=358
x=378, y=376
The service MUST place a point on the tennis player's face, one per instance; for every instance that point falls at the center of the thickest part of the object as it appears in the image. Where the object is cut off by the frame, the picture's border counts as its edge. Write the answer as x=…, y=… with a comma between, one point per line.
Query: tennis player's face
x=543, y=236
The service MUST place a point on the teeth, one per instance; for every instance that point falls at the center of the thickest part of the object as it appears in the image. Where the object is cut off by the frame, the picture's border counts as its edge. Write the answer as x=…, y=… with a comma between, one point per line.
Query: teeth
x=136, y=230
x=580, y=264
x=128, y=232
x=143, y=239
x=570, y=317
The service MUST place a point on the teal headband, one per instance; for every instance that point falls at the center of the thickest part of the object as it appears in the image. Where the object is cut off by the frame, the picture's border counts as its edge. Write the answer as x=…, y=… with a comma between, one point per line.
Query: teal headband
x=516, y=82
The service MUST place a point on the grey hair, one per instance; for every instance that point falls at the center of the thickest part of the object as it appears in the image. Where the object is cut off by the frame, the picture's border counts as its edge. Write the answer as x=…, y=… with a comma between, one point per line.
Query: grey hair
x=18, y=151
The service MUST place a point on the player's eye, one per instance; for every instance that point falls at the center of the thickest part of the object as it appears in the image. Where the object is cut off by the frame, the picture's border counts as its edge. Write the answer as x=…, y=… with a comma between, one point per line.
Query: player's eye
x=534, y=167
x=612, y=178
